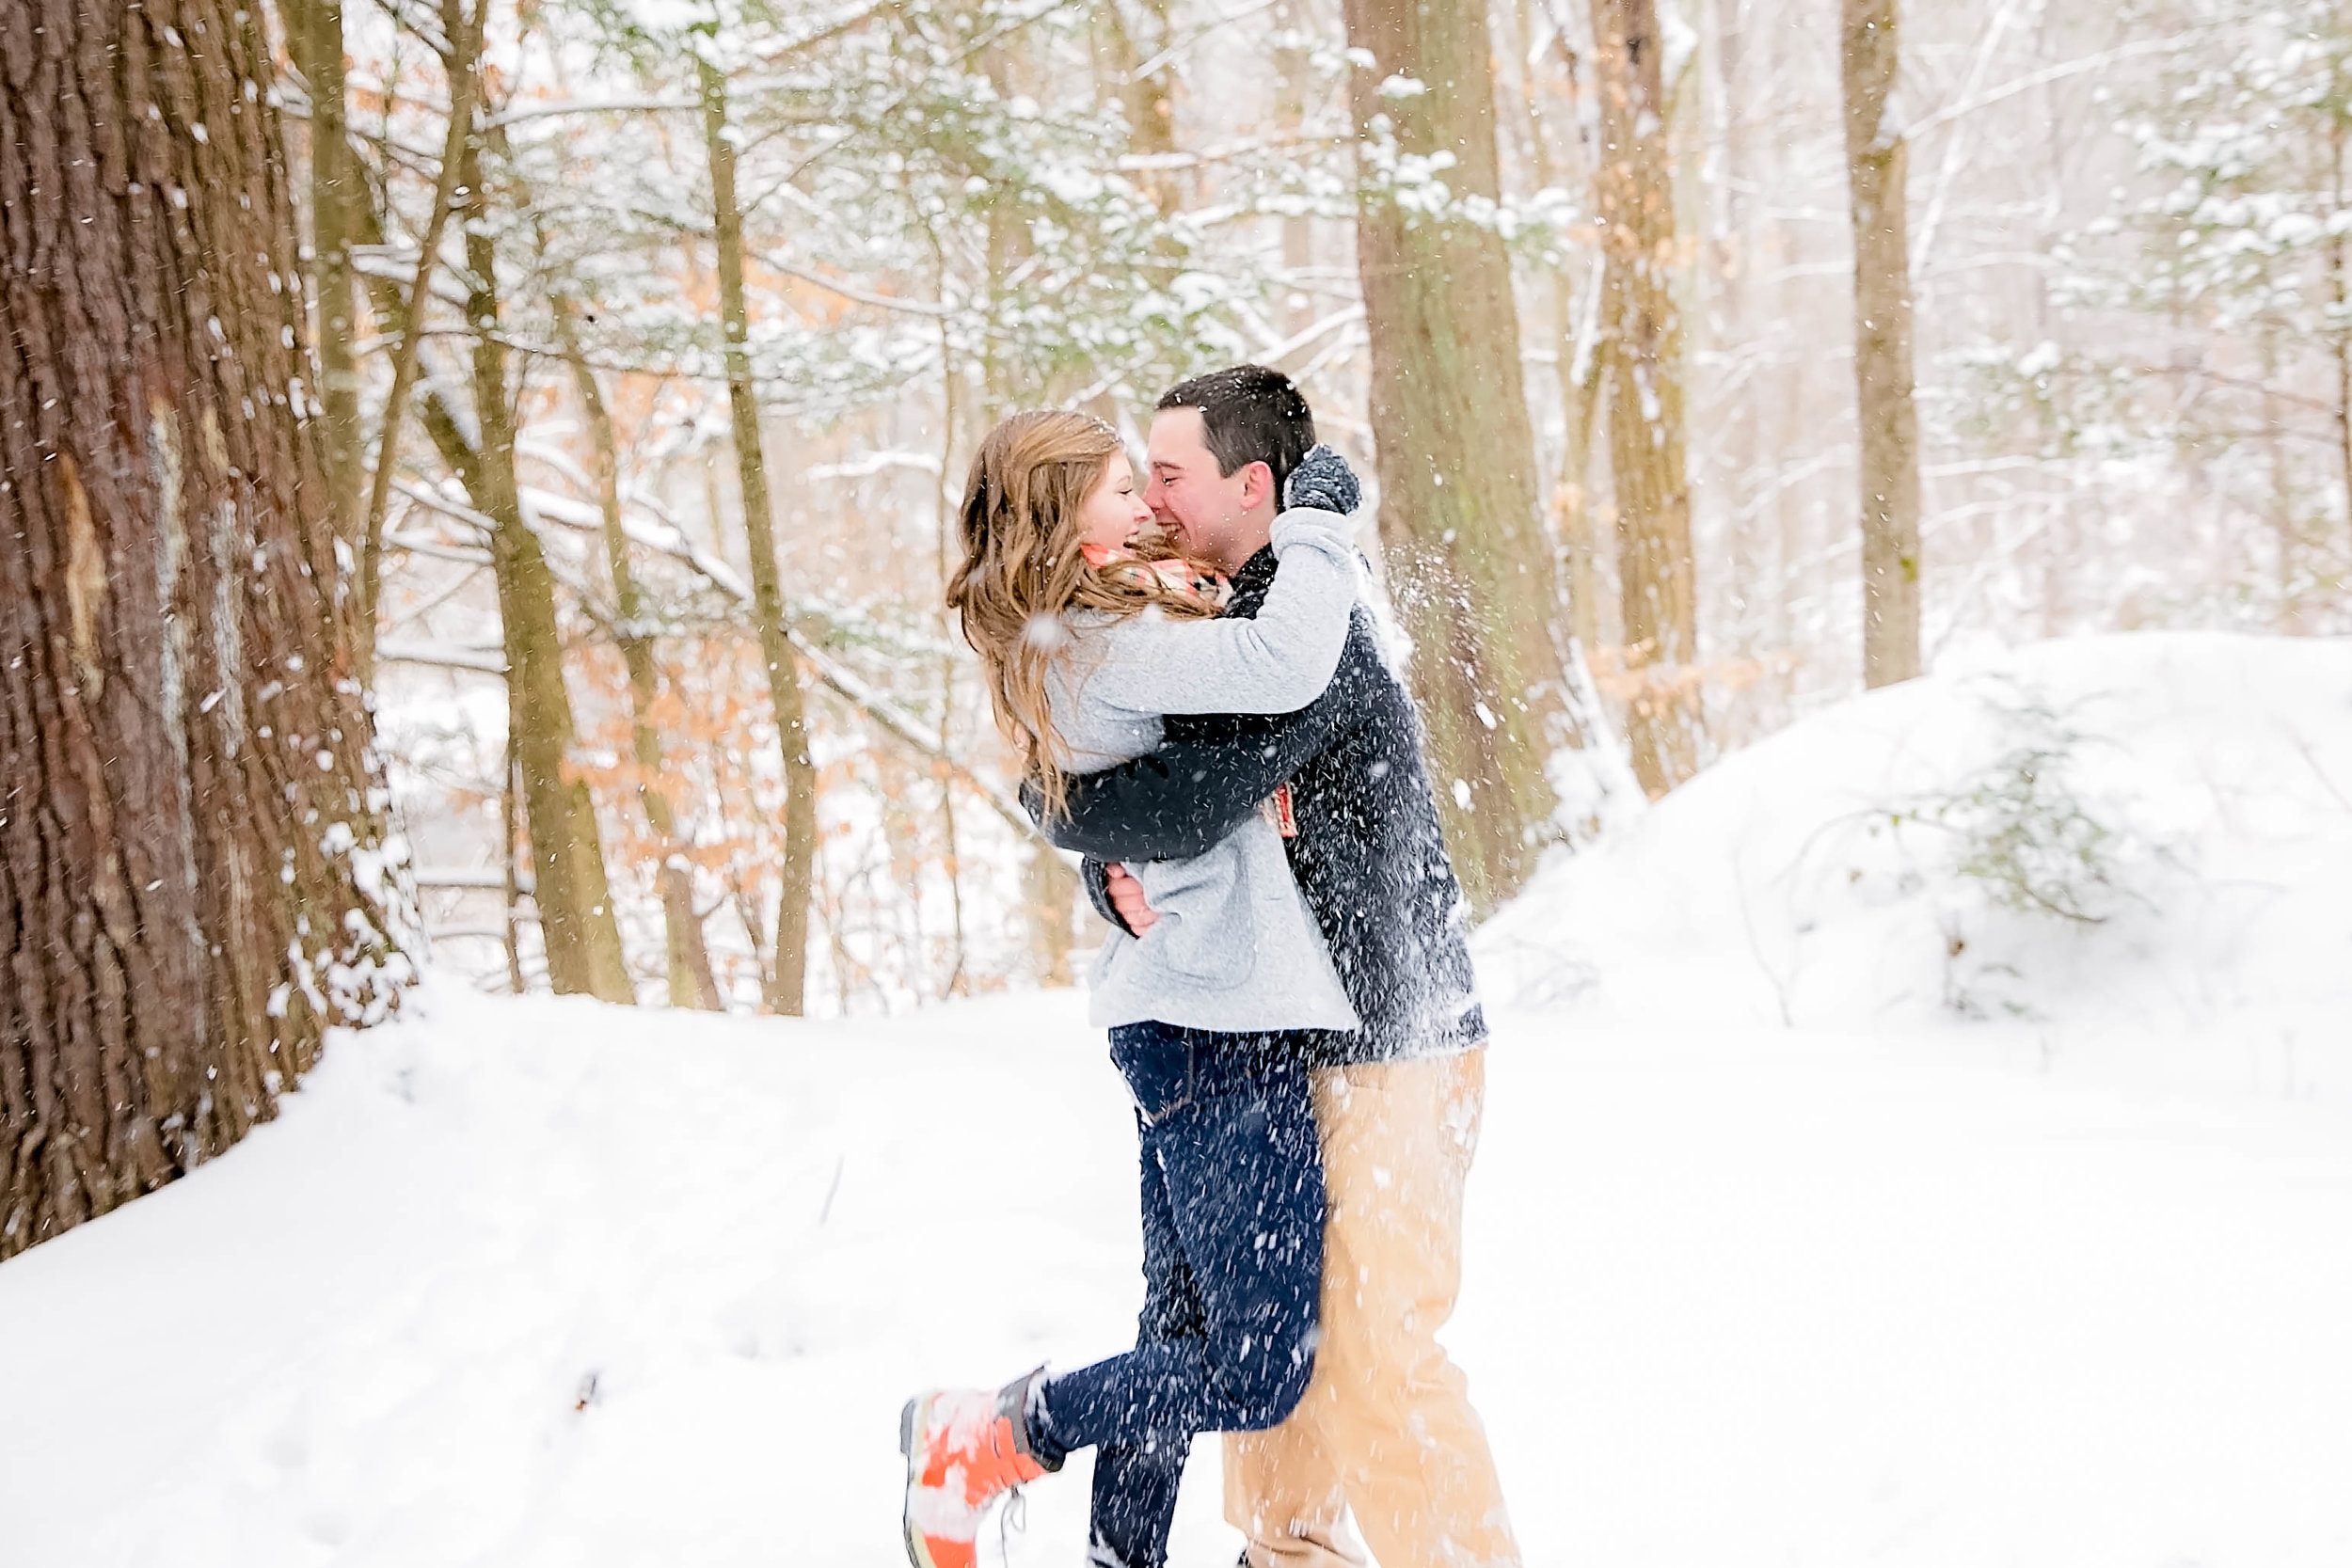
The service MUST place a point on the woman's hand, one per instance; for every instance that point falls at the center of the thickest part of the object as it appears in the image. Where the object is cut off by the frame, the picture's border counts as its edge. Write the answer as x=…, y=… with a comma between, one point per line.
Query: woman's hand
x=1127, y=898
x=1324, y=481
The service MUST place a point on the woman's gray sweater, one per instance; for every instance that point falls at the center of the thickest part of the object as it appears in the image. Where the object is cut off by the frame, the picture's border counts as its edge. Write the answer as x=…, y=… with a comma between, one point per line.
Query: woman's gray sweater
x=1234, y=947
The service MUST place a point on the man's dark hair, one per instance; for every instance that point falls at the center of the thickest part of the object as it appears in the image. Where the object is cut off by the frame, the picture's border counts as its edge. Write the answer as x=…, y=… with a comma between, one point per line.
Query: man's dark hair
x=1249, y=414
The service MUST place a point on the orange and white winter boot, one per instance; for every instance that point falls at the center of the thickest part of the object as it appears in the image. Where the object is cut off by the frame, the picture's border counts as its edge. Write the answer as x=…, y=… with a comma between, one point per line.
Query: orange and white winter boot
x=966, y=1448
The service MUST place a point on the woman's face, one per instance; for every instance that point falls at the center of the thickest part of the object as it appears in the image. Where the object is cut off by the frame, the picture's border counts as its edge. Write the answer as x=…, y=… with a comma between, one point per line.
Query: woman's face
x=1113, y=513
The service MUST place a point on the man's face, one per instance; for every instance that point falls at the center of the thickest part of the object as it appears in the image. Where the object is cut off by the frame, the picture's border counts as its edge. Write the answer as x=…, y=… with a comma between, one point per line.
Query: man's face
x=1220, y=518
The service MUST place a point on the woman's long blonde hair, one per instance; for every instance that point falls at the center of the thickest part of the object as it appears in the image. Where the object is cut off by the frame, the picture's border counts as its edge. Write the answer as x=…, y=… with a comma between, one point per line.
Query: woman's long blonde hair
x=1023, y=572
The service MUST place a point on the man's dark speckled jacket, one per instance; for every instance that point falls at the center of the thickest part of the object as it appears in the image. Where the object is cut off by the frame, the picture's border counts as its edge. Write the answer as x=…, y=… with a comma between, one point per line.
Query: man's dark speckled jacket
x=1369, y=856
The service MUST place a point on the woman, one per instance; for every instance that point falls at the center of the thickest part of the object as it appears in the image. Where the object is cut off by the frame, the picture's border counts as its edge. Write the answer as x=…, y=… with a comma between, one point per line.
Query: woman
x=1089, y=634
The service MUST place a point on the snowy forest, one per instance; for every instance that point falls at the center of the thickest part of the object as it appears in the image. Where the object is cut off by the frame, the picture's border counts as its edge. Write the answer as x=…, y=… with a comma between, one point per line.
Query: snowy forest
x=801, y=258
x=1860, y=496
x=689, y=319
x=806, y=258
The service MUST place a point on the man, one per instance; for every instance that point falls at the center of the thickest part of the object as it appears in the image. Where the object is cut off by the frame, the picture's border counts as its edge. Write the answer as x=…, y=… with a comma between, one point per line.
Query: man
x=1386, y=1424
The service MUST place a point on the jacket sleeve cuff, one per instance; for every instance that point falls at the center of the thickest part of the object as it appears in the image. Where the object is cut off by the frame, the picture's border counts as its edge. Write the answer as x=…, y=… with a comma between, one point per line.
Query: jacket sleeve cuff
x=1097, y=879
x=1295, y=524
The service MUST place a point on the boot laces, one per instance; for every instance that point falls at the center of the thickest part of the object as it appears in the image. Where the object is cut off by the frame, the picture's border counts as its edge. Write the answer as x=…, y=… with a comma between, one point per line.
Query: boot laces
x=1011, y=1519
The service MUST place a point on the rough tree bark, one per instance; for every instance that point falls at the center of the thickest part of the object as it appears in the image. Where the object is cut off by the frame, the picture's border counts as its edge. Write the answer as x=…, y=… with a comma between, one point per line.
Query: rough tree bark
x=1876, y=159
x=577, y=923
x=788, y=978
x=1474, y=574
x=317, y=26
x=1641, y=341
x=2339, y=297
x=194, y=874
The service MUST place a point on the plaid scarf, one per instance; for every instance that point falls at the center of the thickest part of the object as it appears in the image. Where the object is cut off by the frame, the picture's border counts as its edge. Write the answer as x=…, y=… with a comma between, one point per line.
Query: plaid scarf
x=1188, y=578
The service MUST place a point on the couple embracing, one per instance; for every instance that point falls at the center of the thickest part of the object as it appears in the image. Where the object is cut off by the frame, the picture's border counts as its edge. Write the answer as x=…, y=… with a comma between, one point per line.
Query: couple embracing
x=1198, y=688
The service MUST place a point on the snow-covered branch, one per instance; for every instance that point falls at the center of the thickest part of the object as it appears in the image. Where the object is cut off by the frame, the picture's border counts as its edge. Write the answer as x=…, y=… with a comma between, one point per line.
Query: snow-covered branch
x=850, y=291
x=445, y=656
x=1969, y=104
x=550, y=108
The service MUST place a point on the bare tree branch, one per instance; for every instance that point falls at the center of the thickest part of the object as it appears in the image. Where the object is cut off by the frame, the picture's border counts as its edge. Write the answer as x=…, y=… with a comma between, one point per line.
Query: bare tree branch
x=464, y=51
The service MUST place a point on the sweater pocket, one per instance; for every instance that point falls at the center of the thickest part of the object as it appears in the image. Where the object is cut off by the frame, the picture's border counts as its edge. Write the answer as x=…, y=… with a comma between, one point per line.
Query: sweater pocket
x=1206, y=940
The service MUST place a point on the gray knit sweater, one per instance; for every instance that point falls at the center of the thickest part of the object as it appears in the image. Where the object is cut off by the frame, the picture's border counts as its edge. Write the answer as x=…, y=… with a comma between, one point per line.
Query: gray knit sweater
x=1234, y=948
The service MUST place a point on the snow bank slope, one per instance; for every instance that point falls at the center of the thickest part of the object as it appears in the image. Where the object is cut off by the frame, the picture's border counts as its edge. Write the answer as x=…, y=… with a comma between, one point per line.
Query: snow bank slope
x=2143, y=832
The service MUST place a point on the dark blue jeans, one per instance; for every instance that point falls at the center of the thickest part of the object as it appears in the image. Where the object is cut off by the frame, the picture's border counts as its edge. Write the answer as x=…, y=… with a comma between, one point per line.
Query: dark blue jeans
x=1233, y=1270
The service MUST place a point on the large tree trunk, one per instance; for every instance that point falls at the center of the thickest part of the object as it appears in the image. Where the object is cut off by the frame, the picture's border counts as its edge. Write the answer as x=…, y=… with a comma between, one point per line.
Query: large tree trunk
x=1474, y=575
x=335, y=196
x=1150, y=100
x=1641, y=344
x=1572, y=497
x=789, y=979
x=194, y=876
x=1736, y=410
x=2339, y=296
x=1293, y=78
x=577, y=923
x=1889, y=425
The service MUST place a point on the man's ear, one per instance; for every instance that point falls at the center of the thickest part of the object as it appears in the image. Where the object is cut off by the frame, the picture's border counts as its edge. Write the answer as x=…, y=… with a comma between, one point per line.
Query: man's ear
x=1256, y=485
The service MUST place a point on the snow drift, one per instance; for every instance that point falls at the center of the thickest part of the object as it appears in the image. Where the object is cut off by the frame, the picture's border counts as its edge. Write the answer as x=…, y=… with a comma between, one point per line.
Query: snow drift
x=2135, y=835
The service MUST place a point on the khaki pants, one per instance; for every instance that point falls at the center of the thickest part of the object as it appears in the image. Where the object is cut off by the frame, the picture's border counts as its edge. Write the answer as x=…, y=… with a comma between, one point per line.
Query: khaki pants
x=1386, y=1423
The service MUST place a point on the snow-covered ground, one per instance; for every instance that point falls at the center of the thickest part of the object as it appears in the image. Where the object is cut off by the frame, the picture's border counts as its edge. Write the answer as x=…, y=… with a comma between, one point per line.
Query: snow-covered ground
x=540, y=1282
x=2186, y=797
